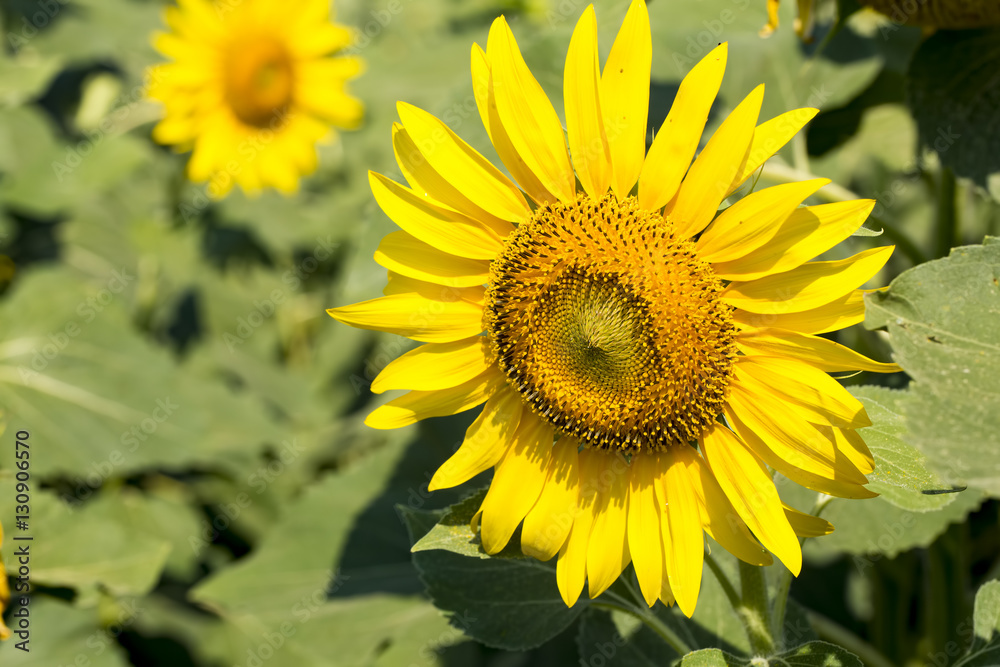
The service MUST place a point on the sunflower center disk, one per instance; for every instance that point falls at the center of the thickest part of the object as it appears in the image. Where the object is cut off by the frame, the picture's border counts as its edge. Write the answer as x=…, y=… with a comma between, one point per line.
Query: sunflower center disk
x=610, y=327
x=259, y=81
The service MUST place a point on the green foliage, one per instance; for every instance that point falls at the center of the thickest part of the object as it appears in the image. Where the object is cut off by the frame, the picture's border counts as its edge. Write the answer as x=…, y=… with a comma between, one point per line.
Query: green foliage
x=813, y=654
x=954, y=101
x=900, y=475
x=941, y=318
x=203, y=489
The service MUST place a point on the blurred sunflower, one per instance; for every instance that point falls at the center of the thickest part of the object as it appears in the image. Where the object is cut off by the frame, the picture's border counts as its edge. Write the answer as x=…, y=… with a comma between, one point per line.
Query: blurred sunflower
x=609, y=330
x=944, y=14
x=251, y=89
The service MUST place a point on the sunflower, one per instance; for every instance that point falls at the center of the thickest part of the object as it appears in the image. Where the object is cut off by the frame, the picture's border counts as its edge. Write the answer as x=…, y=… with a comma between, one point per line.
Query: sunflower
x=251, y=89
x=642, y=358
x=945, y=14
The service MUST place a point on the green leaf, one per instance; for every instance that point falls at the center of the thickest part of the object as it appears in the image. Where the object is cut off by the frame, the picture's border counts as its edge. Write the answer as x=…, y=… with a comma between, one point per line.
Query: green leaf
x=451, y=531
x=941, y=317
x=954, y=93
x=304, y=583
x=711, y=657
x=900, y=476
x=61, y=634
x=985, y=649
x=24, y=76
x=813, y=654
x=874, y=529
x=507, y=585
x=46, y=177
x=100, y=546
x=123, y=404
x=510, y=603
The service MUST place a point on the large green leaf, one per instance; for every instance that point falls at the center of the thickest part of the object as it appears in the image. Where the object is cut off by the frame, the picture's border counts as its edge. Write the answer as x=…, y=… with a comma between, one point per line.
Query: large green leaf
x=304, y=581
x=65, y=635
x=900, y=476
x=69, y=350
x=508, y=590
x=873, y=529
x=107, y=544
x=24, y=76
x=941, y=317
x=511, y=603
x=46, y=176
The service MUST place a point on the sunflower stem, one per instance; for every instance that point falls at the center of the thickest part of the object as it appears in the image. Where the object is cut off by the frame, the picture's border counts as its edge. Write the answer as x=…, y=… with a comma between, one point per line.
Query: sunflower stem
x=785, y=583
x=754, y=609
x=946, y=219
x=727, y=586
x=780, y=605
x=640, y=611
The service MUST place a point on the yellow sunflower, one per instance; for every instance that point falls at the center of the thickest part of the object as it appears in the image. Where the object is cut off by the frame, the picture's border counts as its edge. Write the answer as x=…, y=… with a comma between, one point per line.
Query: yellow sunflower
x=251, y=89
x=642, y=357
x=945, y=14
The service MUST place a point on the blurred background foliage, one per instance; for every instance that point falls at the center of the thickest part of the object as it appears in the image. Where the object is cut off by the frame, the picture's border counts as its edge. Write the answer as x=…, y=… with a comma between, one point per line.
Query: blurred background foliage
x=204, y=490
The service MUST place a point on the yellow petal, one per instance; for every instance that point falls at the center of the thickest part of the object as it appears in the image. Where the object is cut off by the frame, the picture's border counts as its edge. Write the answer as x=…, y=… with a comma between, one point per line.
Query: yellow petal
x=416, y=405
x=517, y=482
x=822, y=353
x=720, y=520
x=588, y=143
x=660, y=474
x=850, y=442
x=788, y=435
x=821, y=398
x=685, y=559
x=427, y=180
x=809, y=286
x=486, y=101
x=480, y=67
x=462, y=166
x=806, y=233
x=435, y=225
x=436, y=366
x=527, y=115
x=413, y=316
x=548, y=523
x=486, y=441
x=844, y=312
x=625, y=97
x=406, y=254
x=644, y=541
x=753, y=221
x=750, y=489
x=571, y=569
x=772, y=18
x=674, y=145
x=398, y=284
x=807, y=525
x=831, y=487
x=705, y=185
x=768, y=138
x=607, y=553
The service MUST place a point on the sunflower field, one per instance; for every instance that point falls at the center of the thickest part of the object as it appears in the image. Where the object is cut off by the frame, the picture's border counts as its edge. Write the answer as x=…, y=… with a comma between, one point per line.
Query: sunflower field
x=496, y=333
